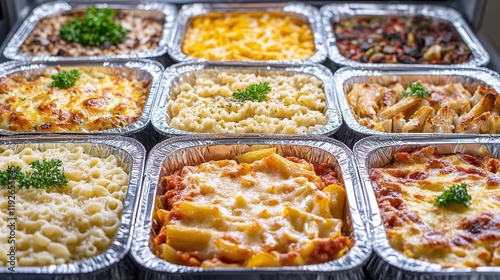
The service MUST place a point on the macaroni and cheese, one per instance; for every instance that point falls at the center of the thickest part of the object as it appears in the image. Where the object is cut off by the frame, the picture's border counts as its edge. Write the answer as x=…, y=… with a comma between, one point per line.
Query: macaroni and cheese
x=248, y=36
x=453, y=235
x=296, y=104
x=98, y=101
x=257, y=210
x=63, y=225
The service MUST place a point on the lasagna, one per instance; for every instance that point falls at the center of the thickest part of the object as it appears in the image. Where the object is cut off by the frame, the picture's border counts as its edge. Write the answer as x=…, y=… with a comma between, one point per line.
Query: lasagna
x=99, y=100
x=256, y=210
x=452, y=236
x=450, y=108
x=145, y=28
x=400, y=39
x=248, y=36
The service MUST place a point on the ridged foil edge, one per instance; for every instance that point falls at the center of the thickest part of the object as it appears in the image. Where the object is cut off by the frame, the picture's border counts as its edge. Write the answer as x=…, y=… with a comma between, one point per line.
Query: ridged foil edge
x=189, y=10
x=150, y=67
x=389, y=263
x=11, y=50
x=480, y=56
x=132, y=155
x=351, y=131
x=159, y=115
x=348, y=266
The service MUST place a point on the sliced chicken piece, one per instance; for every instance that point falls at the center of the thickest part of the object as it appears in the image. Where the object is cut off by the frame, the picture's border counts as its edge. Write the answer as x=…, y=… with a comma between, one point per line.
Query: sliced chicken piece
x=384, y=126
x=444, y=119
x=398, y=121
x=418, y=119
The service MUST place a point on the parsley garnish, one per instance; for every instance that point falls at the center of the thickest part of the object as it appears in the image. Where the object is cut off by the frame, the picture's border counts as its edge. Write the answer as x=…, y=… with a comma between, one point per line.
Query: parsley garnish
x=416, y=89
x=46, y=174
x=65, y=79
x=456, y=194
x=95, y=29
x=255, y=92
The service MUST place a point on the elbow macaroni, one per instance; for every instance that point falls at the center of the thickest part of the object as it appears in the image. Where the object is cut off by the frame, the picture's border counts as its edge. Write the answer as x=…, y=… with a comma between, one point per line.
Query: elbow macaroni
x=62, y=225
x=248, y=36
x=296, y=104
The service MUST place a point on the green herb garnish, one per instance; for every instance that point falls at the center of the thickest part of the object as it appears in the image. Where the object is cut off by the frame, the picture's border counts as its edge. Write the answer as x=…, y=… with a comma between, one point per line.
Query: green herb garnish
x=416, y=89
x=95, y=29
x=65, y=79
x=255, y=92
x=456, y=194
x=46, y=174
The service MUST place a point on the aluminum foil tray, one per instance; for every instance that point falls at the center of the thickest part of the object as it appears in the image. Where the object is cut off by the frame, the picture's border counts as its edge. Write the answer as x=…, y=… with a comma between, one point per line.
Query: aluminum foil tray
x=183, y=72
x=113, y=262
x=139, y=69
x=334, y=12
x=377, y=151
x=351, y=131
x=302, y=11
x=173, y=154
x=11, y=51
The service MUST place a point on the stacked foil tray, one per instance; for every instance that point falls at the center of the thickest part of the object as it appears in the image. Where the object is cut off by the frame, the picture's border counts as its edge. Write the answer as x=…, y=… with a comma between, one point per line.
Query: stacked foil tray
x=371, y=257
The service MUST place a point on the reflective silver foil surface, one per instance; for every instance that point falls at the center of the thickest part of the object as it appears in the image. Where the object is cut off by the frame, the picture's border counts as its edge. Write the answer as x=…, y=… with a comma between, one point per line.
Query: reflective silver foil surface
x=303, y=11
x=11, y=51
x=113, y=262
x=351, y=131
x=377, y=151
x=181, y=73
x=176, y=153
x=138, y=69
x=334, y=12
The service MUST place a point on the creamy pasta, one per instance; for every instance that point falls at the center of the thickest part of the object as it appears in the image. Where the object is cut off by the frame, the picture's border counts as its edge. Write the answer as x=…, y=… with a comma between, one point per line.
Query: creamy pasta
x=249, y=35
x=296, y=104
x=62, y=225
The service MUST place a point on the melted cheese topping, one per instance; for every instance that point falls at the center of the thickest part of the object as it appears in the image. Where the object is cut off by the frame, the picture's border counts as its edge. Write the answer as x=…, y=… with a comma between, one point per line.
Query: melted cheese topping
x=251, y=35
x=224, y=213
x=455, y=235
x=98, y=101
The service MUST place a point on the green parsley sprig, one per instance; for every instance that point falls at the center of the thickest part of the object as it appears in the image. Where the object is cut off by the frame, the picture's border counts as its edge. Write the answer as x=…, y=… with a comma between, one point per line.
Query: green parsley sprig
x=65, y=79
x=255, y=92
x=416, y=89
x=46, y=174
x=456, y=194
x=95, y=29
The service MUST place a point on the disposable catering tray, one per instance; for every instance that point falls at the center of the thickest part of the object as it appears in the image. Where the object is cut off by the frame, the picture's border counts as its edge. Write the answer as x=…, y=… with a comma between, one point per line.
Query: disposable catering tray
x=178, y=74
x=351, y=131
x=173, y=154
x=55, y=8
x=298, y=10
x=113, y=263
x=388, y=263
x=333, y=12
x=141, y=70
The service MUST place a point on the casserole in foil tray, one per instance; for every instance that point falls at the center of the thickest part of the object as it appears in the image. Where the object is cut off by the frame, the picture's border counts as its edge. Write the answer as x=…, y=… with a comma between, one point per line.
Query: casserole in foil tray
x=81, y=228
x=432, y=206
x=199, y=98
x=417, y=102
x=199, y=152
x=107, y=98
x=38, y=37
x=397, y=35
x=253, y=33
